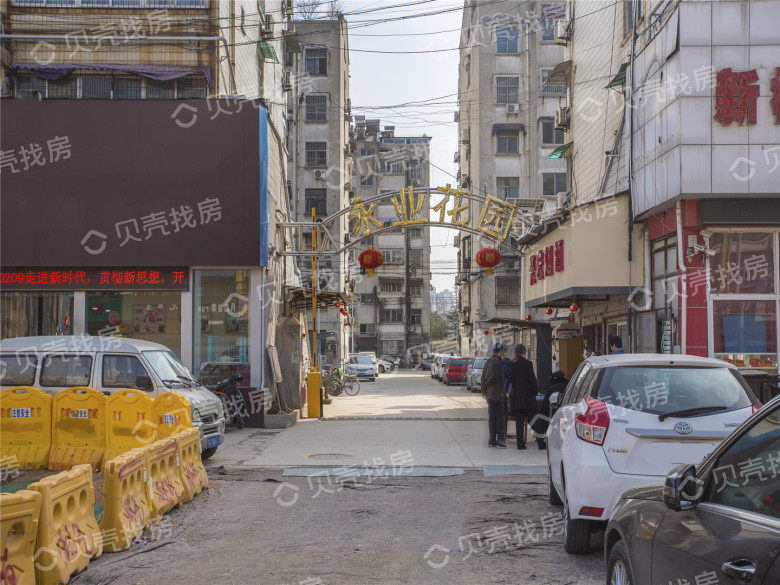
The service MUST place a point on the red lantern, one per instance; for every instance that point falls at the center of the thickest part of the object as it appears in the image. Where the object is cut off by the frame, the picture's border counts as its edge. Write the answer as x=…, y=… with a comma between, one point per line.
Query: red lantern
x=487, y=258
x=574, y=308
x=371, y=259
x=336, y=304
x=303, y=335
x=486, y=332
x=548, y=311
x=343, y=311
x=528, y=317
x=493, y=331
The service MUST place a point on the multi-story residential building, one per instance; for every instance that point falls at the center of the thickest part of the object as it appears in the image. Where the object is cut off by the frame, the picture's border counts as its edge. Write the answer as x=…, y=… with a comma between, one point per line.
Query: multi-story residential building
x=320, y=164
x=507, y=132
x=393, y=311
x=126, y=84
x=442, y=301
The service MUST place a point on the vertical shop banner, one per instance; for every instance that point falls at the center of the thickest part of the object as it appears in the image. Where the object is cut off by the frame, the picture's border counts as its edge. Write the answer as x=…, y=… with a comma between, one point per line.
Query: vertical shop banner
x=129, y=183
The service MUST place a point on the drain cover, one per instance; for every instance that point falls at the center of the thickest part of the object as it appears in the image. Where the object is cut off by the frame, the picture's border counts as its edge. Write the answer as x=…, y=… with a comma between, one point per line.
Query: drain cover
x=329, y=456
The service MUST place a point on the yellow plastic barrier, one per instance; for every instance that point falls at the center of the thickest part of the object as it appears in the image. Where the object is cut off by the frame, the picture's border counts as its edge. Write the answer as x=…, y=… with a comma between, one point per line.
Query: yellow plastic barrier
x=78, y=432
x=68, y=535
x=191, y=471
x=130, y=422
x=25, y=427
x=172, y=414
x=125, y=508
x=164, y=488
x=19, y=514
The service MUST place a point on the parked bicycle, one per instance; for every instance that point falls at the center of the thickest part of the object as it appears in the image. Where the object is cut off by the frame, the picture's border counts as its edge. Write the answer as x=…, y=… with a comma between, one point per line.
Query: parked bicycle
x=337, y=380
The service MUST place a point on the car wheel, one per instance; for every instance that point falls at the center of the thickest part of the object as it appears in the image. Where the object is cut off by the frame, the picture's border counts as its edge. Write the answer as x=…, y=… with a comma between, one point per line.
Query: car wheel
x=208, y=452
x=552, y=493
x=618, y=567
x=381, y=369
x=576, y=533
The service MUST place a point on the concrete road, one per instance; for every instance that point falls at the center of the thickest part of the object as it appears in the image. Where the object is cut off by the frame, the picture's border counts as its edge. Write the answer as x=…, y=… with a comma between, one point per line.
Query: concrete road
x=406, y=411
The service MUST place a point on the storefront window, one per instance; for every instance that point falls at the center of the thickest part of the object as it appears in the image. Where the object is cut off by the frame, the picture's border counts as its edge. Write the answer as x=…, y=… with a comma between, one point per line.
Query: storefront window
x=221, y=308
x=148, y=315
x=743, y=263
x=745, y=332
x=24, y=314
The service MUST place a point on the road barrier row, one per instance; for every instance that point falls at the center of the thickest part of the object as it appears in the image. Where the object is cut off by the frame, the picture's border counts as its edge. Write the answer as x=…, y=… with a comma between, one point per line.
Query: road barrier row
x=82, y=426
x=49, y=532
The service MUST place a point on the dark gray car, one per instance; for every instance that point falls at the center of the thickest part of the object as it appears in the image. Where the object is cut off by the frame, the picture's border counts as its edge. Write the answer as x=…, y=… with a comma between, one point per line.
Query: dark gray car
x=718, y=523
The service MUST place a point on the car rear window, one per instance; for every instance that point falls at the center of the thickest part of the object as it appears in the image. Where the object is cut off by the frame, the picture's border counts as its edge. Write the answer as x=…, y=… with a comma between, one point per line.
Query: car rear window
x=66, y=370
x=459, y=363
x=670, y=389
x=18, y=369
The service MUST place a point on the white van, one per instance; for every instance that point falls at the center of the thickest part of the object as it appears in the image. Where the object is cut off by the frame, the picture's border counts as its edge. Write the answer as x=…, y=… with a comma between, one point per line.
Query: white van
x=108, y=364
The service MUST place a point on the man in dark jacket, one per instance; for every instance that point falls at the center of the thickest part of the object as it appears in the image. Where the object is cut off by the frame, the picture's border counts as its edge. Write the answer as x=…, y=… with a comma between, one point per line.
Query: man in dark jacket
x=558, y=384
x=524, y=389
x=492, y=384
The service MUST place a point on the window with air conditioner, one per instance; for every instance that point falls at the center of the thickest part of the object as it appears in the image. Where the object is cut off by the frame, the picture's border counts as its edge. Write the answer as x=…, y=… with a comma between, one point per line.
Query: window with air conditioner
x=507, y=142
x=316, y=154
x=550, y=135
x=317, y=198
x=507, y=90
x=507, y=41
x=507, y=187
x=316, y=108
x=317, y=61
x=553, y=183
x=507, y=290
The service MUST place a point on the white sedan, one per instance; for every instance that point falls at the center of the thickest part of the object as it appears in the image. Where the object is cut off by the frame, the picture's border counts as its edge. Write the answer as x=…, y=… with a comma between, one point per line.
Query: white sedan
x=362, y=365
x=626, y=420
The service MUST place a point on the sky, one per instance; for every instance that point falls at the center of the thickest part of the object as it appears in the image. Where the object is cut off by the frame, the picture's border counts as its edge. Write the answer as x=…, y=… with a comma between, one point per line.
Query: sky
x=379, y=81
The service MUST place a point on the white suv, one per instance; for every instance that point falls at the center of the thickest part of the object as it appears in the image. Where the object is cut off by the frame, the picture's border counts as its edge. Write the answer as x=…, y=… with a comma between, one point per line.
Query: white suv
x=626, y=420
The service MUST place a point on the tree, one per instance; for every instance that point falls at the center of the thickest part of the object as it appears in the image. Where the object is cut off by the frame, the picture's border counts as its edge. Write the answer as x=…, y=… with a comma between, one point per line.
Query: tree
x=311, y=9
x=438, y=326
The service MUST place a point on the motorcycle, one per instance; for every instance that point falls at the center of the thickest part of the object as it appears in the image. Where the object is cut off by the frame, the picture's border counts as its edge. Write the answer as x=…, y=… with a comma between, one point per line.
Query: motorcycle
x=232, y=401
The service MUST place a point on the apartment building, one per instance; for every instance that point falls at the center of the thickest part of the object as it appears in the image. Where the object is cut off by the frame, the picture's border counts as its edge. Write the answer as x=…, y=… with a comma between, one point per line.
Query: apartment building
x=507, y=134
x=159, y=112
x=320, y=166
x=393, y=310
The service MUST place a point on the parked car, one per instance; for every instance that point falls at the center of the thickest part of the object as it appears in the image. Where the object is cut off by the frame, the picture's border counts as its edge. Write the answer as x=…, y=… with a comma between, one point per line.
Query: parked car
x=374, y=361
x=108, y=364
x=443, y=369
x=720, y=518
x=456, y=372
x=436, y=366
x=474, y=375
x=362, y=365
x=626, y=420
x=385, y=366
x=395, y=362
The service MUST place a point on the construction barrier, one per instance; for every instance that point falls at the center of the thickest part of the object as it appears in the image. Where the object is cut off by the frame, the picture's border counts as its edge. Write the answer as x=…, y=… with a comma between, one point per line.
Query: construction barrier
x=68, y=535
x=130, y=422
x=191, y=471
x=164, y=488
x=172, y=414
x=125, y=507
x=25, y=428
x=78, y=433
x=19, y=513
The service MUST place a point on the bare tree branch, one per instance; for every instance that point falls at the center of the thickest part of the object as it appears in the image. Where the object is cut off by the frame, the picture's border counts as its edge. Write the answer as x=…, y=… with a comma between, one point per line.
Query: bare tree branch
x=307, y=9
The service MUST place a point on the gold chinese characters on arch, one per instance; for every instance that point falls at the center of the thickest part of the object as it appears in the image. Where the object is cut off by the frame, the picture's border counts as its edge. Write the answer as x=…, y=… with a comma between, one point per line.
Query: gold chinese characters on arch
x=495, y=217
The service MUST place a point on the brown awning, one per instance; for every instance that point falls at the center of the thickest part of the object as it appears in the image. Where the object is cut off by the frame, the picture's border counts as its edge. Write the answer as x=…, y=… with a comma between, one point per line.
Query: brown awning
x=561, y=74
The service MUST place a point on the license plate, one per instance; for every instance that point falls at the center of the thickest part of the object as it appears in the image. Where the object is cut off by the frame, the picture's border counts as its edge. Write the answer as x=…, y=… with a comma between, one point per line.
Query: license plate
x=213, y=441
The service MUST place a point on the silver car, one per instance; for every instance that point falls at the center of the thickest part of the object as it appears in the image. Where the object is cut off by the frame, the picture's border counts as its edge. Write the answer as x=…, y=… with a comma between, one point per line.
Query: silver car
x=474, y=375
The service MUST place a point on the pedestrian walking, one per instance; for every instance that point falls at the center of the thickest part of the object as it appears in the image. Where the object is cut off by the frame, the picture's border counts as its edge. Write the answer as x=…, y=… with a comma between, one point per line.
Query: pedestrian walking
x=558, y=384
x=615, y=345
x=523, y=401
x=492, y=384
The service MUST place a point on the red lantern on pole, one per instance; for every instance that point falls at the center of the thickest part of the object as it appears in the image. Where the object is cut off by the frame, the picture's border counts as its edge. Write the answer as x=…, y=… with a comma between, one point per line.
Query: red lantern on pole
x=574, y=308
x=371, y=259
x=487, y=258
x=528, y=317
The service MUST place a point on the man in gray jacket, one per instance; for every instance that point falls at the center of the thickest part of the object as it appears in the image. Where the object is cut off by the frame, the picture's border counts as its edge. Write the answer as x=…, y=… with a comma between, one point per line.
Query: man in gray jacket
x=493, y=389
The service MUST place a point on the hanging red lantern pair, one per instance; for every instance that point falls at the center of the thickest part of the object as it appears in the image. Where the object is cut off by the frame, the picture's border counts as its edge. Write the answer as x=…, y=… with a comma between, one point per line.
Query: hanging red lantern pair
x=371, y=259
x=487, y=258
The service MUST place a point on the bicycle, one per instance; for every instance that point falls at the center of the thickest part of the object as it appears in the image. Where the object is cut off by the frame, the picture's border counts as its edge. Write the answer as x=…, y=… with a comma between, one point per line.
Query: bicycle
x=336, y=382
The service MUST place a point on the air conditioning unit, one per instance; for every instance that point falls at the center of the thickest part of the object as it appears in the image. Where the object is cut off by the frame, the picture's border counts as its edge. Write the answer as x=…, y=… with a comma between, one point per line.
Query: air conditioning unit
x=332, y=347
x=457, y=158
x=319, y=174
x=513, y=108
x=562, y=34
x=457, y=116
x=287, y=83
x=563, y=199
x=464, y=135
x=415, y=183
x=456, y=241
x=268, y=26
x=562, y=118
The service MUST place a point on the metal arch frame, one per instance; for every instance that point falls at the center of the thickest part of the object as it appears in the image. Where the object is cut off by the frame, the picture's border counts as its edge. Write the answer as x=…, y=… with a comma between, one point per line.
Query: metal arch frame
x=329, y=246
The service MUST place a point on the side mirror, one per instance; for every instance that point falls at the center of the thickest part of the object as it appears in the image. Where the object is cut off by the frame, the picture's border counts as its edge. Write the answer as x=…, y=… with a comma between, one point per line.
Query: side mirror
x=682, y=488
x=143, y=382
x=555, y=399
x=237, y=377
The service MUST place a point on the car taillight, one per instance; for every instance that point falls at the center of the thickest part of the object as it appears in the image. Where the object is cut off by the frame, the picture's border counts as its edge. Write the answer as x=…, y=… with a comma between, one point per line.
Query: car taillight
x=757, y=406
x=588, y=511
x=593, y=424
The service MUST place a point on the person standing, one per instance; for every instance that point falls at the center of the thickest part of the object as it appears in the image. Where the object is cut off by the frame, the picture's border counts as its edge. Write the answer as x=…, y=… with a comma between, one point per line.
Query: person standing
x=615, y=345
x=524, y=389
x=492, y=384
x=558, y=384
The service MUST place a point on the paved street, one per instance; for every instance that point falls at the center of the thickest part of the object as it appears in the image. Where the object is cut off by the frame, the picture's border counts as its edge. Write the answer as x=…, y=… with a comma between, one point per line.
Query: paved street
x=264, y=521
